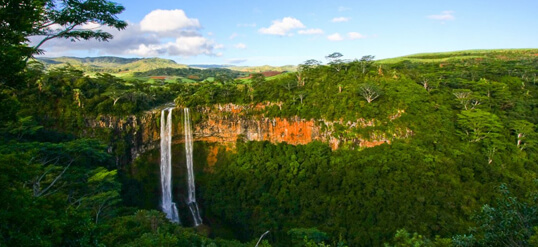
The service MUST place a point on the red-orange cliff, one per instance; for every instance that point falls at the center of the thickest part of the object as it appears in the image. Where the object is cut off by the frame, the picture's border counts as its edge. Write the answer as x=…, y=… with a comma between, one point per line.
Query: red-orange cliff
x=227, y=123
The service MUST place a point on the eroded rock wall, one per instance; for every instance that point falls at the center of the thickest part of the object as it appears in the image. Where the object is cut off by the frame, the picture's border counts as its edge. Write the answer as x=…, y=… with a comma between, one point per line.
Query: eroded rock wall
x=227, y=123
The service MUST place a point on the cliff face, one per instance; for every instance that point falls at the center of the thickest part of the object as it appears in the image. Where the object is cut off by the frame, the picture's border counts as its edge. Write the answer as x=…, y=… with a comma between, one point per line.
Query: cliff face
x=128, y=136
x=229, y=122
x=225, y=124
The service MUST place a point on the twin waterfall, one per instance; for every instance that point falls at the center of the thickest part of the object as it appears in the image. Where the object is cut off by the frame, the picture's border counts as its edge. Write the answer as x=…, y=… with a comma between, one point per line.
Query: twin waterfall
x=191, y=200
x=169, y=207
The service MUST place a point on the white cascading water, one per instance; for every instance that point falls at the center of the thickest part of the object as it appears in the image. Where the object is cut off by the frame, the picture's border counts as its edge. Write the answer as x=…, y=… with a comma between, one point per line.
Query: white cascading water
x=191, y=199
x=168, y=207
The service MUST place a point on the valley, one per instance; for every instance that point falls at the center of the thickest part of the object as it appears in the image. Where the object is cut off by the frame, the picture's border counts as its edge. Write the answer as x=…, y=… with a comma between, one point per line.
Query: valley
x=308, y=149
x=152, y=127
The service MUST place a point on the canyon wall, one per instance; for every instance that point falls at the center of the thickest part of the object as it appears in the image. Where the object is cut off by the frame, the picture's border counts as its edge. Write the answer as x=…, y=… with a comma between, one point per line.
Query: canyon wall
x=227, y=123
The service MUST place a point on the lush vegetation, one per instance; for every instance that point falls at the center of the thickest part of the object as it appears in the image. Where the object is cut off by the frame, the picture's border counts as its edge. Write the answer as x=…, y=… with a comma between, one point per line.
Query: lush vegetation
x=56, y=188
x=466, y=175
x=113, y=65
x=222, y=75
x=473, y=124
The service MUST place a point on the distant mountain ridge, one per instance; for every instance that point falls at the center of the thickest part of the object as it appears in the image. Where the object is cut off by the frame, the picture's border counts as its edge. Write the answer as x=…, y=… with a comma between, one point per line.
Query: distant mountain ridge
x=110, y=64
x=209, y=66
x=251, y=69
x=90, y=60
x=119, y=65
x=115, y=65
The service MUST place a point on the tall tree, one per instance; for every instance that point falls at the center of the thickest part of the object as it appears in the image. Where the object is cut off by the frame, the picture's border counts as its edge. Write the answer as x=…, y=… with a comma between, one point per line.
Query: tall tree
x=335, y=60
x=16, y=19
x=478, y=125
x=366, y=62
x=49, y=19
x=65, y=19
x=370, y=92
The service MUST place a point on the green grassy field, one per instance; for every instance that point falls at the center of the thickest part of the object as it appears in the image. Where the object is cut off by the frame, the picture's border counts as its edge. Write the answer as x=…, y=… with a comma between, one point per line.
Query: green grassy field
x=506, y=54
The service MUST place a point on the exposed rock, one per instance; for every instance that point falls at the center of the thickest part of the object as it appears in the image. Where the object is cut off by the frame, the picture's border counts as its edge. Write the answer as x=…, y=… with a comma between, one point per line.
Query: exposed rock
x=227, y=123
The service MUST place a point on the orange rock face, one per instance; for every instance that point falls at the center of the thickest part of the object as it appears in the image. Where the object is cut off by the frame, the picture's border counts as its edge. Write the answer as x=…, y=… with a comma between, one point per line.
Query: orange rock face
x=296, y=131
x=229, y=123
x=226, y=123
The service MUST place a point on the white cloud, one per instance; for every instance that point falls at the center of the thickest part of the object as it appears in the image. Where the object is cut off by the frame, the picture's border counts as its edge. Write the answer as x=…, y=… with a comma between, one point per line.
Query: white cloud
x=233, y=36
x=135, y=40
x=90, y=25
x=311, y=31
x=282, y=27
x=167, y=20
x=355, y=35
x=183, y=46
x=191, y=46
x=335, y=37
x=340, y=19
x=342, y=8
x=55, y=27
x=130, y=38
x=444, y=16
x=146, y=50
x=240, y=46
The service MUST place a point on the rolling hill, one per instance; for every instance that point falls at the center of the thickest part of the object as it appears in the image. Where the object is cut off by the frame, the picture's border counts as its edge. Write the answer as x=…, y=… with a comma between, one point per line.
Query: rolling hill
x=502, y=54
x=112, y=65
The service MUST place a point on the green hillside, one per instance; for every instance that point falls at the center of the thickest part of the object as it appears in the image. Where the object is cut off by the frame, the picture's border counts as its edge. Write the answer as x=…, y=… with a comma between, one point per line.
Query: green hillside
x=502, y=54
x=436, y=149
x=114, y=65
x=119, y=66
x=425, y=150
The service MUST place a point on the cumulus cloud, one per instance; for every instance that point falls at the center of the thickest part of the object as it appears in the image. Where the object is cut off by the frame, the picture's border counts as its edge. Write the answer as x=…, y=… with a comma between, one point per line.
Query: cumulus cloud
x=233, y=36
x=90, y=25
x=444, y=16
x=310, y=31
x=183, y=46
x=129, y=38
x=240, y=46
x=355, y=35
x=155, y=35
x=191, y=46
x=340, y=19
x=282, y=27
x=335, y=37
x=167, y=20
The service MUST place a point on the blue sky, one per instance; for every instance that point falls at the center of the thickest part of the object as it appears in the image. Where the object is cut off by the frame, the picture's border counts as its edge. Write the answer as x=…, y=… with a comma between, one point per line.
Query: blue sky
x=276, y=32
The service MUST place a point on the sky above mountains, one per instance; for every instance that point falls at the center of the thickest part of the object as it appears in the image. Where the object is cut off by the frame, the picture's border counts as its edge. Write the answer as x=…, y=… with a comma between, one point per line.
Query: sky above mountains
x=276, y=32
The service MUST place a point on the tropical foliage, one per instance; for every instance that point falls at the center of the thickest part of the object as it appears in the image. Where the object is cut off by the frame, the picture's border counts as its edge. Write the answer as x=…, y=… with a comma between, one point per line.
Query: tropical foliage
x=465, y=175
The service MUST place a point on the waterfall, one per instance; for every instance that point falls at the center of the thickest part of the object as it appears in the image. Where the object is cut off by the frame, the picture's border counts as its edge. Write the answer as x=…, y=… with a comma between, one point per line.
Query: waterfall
x=168, y=207
x=191, y=199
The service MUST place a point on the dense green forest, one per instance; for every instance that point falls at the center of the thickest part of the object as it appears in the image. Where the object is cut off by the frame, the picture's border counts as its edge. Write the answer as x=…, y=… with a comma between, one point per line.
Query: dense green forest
x=465, y=176
x=473, y=149
x=221, y=75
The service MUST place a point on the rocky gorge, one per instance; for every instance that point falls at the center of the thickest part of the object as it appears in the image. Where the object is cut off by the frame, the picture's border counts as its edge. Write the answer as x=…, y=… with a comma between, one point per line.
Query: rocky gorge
x=225, y=124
